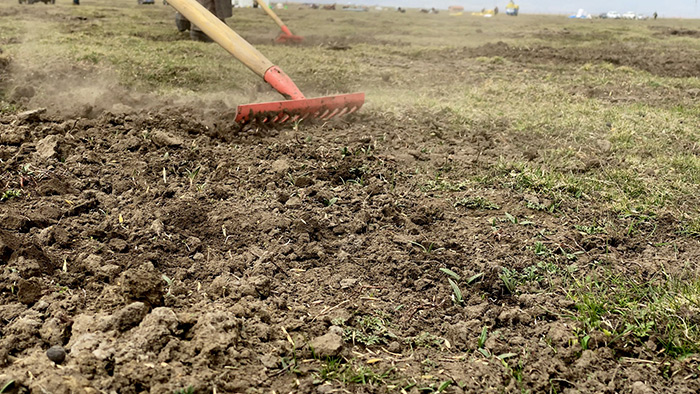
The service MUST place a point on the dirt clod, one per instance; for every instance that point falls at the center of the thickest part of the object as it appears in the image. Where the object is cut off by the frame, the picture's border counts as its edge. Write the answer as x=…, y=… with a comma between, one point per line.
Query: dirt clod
x=328, y=345
x=641, y=388
x=130, y=316
x=162, y=138
x=31, y=115
x=47, y=147
x=142, y=285
x=22, y=92
x=347, y=283
x=29, y=291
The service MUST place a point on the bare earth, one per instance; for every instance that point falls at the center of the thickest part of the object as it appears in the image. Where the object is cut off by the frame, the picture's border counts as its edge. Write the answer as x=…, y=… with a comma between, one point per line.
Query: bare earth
x=163, y=248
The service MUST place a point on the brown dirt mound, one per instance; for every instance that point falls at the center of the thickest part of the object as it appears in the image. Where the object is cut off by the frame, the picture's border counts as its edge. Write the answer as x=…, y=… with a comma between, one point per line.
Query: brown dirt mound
x=665, y=31
x=678, y=62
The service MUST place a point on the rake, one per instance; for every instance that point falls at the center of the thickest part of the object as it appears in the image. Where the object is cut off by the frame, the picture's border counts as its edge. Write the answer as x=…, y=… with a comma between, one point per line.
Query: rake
x=286, y=35
x=297, y=107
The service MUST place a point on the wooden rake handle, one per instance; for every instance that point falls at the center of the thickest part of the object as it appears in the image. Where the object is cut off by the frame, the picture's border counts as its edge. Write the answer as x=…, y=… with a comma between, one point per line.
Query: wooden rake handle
x=274, y=16
x=223, y=35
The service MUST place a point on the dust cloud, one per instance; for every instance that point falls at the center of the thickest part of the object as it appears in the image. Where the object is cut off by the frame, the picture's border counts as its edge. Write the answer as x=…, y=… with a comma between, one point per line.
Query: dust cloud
x=31, y=78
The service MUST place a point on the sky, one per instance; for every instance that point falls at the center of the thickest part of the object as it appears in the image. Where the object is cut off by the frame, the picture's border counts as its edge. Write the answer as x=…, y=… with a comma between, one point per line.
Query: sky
x=668, y=8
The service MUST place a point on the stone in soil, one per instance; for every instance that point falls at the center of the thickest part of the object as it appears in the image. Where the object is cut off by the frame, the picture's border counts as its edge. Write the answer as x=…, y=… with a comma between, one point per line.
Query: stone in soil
x=56, y=354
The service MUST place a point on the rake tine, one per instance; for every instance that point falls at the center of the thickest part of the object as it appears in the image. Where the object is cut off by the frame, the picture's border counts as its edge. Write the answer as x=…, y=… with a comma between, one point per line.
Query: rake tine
x=322, y=114
x=276, y=117
x=332, y=114
x=284, y=112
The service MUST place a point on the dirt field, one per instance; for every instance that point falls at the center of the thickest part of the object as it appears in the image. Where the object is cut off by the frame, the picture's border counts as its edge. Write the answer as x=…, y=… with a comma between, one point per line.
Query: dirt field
x=515, y=209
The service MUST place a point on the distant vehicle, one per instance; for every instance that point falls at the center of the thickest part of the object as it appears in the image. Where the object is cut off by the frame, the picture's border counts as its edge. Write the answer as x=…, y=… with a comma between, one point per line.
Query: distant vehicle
x=37, y=1
x=629, y=15
x=642, y=17
x=145, y=1
x=512, y=9
x=613, y=15
x=244, y=3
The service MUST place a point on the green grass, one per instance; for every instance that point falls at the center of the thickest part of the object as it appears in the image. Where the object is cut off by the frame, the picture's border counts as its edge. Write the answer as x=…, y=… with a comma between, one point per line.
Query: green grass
x=10, y=194
x=5, y=387
x=630, y=310
x=367, y=330
x=691, y=227
x=187, y=390
x=345, y=372
x=476, y=203
x=627, y=309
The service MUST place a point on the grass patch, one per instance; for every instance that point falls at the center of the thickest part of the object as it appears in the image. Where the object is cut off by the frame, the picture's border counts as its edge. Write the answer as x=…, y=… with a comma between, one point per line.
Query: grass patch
x=335, y=369
x=367, y=330
x=632, y=311
x=691, y=227
x=476, y=203
x=426, y=339
x=661, y=312
x=446, y=185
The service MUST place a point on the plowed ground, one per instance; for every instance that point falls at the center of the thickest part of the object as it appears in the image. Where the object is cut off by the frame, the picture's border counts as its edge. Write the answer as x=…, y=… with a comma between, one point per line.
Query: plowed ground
x=165, y=248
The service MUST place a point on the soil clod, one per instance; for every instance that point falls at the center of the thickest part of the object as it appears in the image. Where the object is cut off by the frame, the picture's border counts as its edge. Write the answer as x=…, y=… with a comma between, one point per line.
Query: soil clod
x=328, y=345
x=29, y=291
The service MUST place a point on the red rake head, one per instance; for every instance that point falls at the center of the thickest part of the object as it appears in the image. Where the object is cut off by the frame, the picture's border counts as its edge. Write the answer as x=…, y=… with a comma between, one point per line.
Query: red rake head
x=279, y=112
x=284, y=38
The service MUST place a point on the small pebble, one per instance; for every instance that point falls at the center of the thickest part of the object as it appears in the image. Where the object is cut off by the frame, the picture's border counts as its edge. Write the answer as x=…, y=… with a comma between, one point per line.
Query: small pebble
x=56, y=354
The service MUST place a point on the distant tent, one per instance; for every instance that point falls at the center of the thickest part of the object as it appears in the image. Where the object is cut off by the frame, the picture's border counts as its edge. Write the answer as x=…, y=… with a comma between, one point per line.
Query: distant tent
x=581, y=14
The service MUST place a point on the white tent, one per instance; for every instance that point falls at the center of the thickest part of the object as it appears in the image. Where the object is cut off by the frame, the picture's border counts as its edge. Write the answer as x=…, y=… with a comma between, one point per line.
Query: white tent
x=581, y=14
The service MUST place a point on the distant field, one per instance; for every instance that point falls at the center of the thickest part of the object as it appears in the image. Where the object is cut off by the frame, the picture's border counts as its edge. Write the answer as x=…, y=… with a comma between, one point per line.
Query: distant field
x=514, y=209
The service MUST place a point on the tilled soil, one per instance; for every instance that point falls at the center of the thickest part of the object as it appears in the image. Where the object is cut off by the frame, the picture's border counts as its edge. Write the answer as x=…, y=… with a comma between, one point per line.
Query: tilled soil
x=162, y=251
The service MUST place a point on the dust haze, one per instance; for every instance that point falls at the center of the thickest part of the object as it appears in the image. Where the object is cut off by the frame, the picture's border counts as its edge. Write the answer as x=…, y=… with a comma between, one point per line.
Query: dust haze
x=81, y=89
